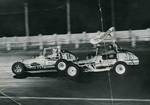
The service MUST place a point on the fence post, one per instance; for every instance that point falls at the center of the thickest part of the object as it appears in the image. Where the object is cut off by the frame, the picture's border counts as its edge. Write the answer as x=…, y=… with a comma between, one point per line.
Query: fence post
x=56, y=40
x=8, y=46
x=55, y=35
x=132, y=39
x=98, y=33
x=148, y=32
x=40, y=42
x=4, y=39
x=24, y=46
x=26, y=43
x=84, y=37
x=114, y=36
x=77, y=41
x=77, y=44
x=69, y=37
x=5, y=42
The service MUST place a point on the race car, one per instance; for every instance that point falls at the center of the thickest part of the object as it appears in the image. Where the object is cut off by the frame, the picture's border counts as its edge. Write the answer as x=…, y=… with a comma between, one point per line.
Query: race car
x=51, y=58
x=104, y=60
x=108, y=56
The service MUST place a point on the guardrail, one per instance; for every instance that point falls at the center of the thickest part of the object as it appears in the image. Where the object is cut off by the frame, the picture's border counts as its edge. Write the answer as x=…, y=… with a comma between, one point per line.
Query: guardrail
x=39, y=41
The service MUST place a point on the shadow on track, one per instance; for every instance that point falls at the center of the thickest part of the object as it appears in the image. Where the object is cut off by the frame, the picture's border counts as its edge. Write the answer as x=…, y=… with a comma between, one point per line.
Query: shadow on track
x=83, y=78
x=44, y=74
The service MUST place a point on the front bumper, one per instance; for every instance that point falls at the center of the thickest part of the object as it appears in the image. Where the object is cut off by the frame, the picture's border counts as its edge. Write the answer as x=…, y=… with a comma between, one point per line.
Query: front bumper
x=133, y=62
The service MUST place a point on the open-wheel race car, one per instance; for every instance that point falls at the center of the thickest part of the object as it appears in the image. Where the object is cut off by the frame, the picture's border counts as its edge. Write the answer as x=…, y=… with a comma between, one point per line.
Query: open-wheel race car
x=110, y=59
x=107, y=57
x=51, y=58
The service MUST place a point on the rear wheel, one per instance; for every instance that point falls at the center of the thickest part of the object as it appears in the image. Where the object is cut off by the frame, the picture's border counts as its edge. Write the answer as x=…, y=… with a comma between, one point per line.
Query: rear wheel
x=18, y=68
x=120, y=68
x=61, y=65
x=73, y=71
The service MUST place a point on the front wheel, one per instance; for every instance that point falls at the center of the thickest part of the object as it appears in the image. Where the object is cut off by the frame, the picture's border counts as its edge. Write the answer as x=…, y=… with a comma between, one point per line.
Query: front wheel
x=120, y=68
x=73, y=71
x=18, y=68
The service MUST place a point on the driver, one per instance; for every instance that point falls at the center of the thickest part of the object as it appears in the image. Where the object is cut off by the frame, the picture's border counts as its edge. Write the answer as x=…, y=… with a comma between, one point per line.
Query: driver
x=112, y=49
x=115, y=46
x=53, y=54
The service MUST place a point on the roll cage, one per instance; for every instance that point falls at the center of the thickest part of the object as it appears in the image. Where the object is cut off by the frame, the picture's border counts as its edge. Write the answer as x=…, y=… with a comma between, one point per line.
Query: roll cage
x=58, y=53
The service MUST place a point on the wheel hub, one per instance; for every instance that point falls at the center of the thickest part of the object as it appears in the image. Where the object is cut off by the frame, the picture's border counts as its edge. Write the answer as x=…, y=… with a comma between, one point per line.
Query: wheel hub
x=18, y=69
x=120, y=69
x=72, y=71
x=61, y=66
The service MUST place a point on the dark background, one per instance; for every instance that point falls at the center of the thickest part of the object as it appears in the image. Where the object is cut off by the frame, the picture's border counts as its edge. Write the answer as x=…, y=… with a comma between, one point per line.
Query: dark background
x=49, y=16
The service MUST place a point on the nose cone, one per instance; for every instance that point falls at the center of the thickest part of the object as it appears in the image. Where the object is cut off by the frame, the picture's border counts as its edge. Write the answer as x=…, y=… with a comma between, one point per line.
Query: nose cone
x=134, y=59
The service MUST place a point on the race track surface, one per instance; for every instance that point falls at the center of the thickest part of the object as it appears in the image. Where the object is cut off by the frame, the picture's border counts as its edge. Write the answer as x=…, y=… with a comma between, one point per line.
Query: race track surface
x=51, y=88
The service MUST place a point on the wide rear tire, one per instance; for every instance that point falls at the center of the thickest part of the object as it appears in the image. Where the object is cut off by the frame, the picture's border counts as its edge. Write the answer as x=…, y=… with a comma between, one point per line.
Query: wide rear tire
x=61, y=65
x=73, y=71
x=18, y=68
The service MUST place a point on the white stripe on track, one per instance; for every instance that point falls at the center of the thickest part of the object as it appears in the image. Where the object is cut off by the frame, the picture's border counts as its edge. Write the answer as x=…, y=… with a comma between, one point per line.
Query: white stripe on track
x=78, y=99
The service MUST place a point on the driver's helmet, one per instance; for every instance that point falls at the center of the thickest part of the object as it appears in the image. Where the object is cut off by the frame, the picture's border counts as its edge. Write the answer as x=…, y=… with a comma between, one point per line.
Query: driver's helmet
x=54, y=51
x=110, y=47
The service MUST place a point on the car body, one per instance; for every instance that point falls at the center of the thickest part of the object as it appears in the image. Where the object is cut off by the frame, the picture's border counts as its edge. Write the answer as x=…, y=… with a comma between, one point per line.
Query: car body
x=47, y=61
x=109, y=57
x=117, y=61
x=106, y=61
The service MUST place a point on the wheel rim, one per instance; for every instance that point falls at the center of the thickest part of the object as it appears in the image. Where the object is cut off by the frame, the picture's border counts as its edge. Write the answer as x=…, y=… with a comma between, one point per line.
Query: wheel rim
x=120, y=69
x=18, y=69
x=62, y=66
x=72, y=71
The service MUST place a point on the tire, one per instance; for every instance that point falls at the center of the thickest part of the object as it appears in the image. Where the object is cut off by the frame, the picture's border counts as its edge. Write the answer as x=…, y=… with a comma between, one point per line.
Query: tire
x=120, y=68
x=61, y=65
x=73, y=71
x=18, y=68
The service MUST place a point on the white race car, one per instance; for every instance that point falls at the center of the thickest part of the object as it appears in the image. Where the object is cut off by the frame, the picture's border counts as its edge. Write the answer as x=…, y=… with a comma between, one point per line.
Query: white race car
x=109, y=59
x=51, y=58
x=106, y=58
